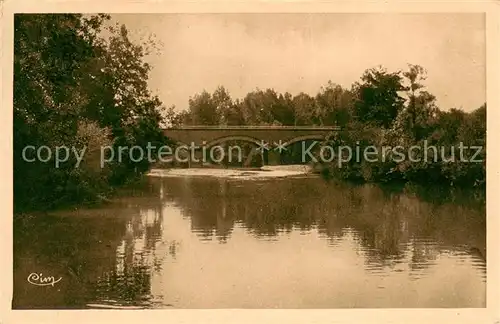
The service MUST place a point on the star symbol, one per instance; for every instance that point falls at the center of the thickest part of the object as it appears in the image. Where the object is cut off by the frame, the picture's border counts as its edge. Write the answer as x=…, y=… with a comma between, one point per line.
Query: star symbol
x=280, y=146
x=262, y=146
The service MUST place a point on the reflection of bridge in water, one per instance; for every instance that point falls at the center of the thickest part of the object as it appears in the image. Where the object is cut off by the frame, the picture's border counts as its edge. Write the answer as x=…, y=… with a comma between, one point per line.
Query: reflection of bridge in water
x=268, y=138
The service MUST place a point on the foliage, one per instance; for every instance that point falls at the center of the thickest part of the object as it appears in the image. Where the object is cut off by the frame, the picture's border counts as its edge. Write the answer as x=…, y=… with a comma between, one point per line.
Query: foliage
x=377, y=97
x=75, y=88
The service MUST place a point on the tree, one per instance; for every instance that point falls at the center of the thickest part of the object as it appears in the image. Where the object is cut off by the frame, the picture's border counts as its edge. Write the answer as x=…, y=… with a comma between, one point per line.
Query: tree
x=304, y=109
x=203, y=109
x=74, y=88
x=223, y=104
x=282, y=111
x=52, y=54
x=421, y=111
x=134, y=115
x=377, y=98
x=173, y=118
x=334, y=105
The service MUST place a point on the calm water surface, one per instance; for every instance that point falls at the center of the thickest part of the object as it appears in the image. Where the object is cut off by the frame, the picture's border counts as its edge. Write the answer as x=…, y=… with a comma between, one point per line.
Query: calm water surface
x=193, y=242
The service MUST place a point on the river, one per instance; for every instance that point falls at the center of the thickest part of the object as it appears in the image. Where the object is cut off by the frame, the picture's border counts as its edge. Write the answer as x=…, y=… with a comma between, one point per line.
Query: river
x=255, y=242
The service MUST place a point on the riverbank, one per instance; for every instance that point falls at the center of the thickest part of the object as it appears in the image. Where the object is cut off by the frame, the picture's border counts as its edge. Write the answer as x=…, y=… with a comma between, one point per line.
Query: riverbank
x=278, y=171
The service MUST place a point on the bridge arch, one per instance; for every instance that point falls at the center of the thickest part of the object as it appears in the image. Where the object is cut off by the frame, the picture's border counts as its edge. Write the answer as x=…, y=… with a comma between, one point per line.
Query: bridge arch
x=255, y=141
x=242, y=138
x=305, y=138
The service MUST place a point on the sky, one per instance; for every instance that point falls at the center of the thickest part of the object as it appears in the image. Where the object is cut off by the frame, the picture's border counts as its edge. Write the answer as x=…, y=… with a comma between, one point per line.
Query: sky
x=302, y=52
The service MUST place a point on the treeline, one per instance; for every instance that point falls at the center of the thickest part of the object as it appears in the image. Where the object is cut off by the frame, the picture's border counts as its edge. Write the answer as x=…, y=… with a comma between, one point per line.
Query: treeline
x=382, y=109
x=74, y=88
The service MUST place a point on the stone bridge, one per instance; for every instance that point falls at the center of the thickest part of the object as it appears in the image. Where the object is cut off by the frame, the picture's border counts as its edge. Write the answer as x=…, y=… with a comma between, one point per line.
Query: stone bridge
x=273, y=135
x=267, y=139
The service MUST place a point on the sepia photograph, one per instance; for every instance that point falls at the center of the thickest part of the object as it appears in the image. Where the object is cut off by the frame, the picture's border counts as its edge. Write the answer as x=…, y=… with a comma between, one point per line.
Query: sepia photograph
x=265, y=160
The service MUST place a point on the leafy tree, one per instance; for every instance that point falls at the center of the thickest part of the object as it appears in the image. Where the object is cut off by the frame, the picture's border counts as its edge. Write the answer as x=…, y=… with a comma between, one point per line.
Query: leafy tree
x=134, y=115
x=377, y=98
x=334, y=105
x=51, y=53
x=203, y=110
x=304, y=109
x=224, y=105
x=74, y=88
x=421, y=110
x=283, y=111
x=449, y=123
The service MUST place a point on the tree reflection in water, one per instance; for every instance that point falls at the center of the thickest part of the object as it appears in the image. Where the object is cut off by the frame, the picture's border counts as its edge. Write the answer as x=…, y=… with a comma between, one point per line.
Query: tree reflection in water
x=390, y=227
x=112, y=256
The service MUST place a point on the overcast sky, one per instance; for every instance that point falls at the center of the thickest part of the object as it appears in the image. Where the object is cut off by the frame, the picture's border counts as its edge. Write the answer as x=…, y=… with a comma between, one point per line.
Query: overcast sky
x=301, y=52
